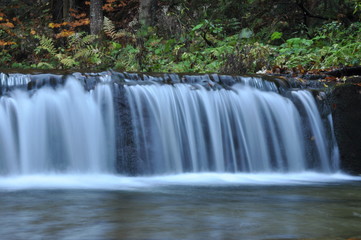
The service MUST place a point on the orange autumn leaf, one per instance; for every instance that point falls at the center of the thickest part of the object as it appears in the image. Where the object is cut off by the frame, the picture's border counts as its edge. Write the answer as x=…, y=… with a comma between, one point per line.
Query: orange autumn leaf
x=3, y=43
x=78, y=16
x=80, y=22
x=108, y=8
x=7, y=24
x=86, y=21
x=54, y=25
x=64, y=33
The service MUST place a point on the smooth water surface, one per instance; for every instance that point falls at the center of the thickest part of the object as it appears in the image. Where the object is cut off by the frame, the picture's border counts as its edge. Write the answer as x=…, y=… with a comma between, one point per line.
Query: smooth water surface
x=181, y=207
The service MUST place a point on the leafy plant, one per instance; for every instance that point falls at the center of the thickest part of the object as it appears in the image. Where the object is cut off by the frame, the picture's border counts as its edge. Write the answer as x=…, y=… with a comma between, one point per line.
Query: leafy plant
x=81, y=49
x=333, y=45
x=248, y=58
x=110, y=31
x=276, y=35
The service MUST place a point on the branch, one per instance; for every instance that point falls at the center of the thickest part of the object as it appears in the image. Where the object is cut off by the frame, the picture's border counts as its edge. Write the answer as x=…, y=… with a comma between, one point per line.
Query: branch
x=204, y=36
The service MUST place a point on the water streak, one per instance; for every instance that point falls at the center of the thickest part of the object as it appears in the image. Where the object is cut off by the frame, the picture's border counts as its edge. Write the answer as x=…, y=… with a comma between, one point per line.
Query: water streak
x=186, y=128
x=57, y=130
x=192, y=127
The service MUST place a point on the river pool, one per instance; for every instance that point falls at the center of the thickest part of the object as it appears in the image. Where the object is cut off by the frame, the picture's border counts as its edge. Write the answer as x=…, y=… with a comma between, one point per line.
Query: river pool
x=187, y=206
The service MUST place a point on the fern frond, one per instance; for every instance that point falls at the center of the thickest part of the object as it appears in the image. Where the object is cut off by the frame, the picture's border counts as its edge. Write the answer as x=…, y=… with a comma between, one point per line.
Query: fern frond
x=46, y=44
x=44, y=65
x=89, y=39
x=110, y=31
x=83, y=53
x=60, y=56
x=109, y=28
x=75, y=40
x=121, y=33
x=80, y=40
x=69, y=62
x=88, y=52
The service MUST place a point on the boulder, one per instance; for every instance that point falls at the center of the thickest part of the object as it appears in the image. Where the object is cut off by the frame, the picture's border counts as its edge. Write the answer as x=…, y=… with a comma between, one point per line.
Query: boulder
x=346, y=111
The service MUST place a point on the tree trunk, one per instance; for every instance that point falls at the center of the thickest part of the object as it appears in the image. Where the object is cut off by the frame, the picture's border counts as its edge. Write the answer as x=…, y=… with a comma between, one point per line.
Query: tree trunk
x=147, y=10
x=96, y=16
x=57, y=10
x=67, y=5
x=61, y=10
x=311, y=5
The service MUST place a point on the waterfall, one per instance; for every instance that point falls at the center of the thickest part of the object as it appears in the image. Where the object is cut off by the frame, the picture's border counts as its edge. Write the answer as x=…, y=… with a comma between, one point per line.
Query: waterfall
x=107, y=126
x=318, y=134
x=186, y=128
x=57, y=130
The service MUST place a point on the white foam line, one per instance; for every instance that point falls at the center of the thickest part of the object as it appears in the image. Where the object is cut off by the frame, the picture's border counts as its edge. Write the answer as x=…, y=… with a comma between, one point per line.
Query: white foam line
x=118, y=182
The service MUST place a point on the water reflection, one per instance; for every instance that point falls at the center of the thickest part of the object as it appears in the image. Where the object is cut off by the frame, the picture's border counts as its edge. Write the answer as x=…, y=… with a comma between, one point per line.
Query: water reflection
x=179, y=212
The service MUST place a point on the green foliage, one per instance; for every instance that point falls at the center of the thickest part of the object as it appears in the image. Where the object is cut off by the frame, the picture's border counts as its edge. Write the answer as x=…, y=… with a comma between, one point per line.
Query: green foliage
x=191, y=36
x=110, y=30
x=333, y=45
x=246, y=33
x=46, y=44
x=210, y=27
x=276, y=35
x=248, y=58
x=5, y=57
x=125, y=59
x=80, y=50
x=357, y=7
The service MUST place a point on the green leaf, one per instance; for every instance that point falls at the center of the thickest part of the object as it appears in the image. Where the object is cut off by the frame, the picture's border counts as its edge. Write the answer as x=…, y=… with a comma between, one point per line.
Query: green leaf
x=276, y=35
x=116, y=46
x=198, y=26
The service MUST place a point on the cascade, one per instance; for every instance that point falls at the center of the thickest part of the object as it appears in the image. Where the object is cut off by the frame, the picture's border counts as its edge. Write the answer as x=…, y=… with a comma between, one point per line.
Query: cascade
x=183, y=129
x=122, y=123
x=57, y=130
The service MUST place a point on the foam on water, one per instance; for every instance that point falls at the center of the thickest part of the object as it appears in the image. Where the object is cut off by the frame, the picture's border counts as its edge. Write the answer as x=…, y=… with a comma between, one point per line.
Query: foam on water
x=152, y=183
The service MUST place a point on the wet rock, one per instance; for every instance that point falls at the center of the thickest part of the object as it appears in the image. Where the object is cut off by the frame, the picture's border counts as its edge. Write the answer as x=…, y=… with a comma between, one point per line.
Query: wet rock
x=199, y=79
x=39, y=80
x=346, y=111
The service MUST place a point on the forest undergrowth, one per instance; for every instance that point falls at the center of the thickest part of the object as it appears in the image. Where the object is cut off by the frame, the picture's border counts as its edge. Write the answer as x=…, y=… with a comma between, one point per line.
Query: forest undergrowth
x=182, y=41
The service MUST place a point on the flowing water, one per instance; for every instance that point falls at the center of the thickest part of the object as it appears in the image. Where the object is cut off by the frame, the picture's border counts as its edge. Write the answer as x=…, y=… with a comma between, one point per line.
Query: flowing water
x=94, y=158
x=66, y=130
